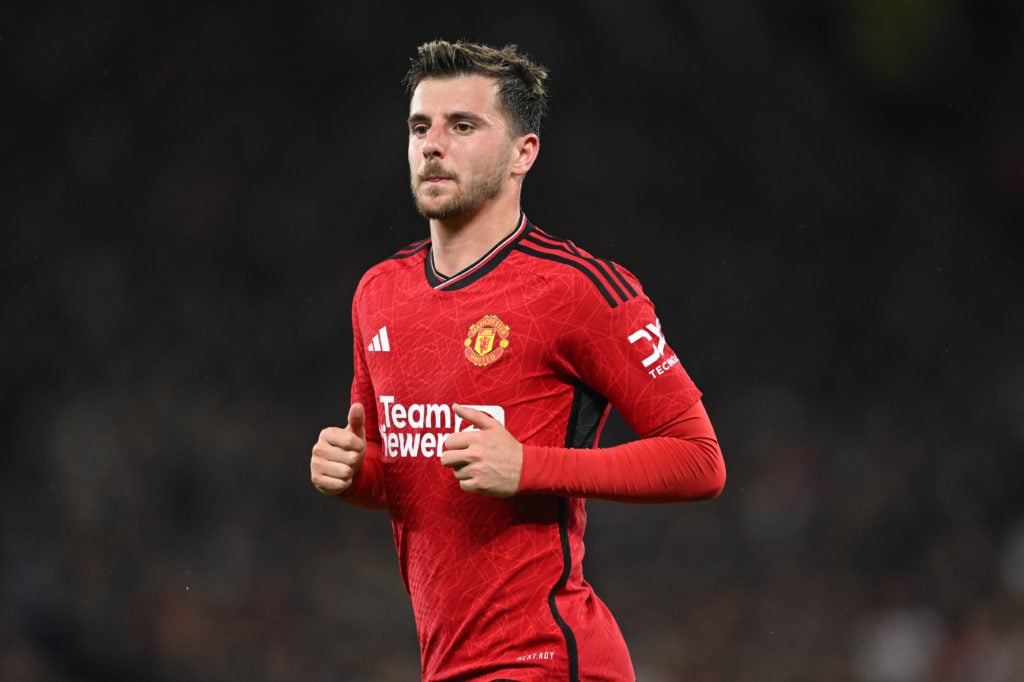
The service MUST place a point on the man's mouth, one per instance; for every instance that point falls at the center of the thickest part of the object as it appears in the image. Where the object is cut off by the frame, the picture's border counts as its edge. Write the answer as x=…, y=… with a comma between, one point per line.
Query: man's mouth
x=434, y=175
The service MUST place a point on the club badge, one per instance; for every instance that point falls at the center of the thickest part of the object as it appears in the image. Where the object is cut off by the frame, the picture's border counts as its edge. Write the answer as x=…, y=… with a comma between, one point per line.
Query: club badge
x=486, y=341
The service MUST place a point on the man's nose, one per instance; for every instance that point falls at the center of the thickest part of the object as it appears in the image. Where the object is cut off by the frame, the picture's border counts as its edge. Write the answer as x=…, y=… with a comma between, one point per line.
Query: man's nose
x=433, y=143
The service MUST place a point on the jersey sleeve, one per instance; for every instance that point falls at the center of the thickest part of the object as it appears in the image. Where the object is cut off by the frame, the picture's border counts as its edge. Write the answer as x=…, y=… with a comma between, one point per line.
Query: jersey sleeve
x=682, y=463
x=620, y=351
x=367, y=489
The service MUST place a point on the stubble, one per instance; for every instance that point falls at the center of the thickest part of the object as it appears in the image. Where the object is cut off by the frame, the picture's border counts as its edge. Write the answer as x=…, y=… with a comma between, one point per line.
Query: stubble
x=462, y=199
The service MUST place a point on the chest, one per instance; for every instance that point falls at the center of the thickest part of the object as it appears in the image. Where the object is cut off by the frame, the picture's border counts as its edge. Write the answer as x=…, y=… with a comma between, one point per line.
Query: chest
x=484, y=346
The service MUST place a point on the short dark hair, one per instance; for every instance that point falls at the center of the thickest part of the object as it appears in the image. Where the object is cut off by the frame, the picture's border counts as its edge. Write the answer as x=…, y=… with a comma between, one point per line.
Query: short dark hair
x=522, y=96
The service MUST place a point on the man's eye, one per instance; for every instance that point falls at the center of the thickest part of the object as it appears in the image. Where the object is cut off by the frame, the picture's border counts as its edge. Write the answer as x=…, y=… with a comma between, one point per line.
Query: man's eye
x=419, y=130
x=463, y=127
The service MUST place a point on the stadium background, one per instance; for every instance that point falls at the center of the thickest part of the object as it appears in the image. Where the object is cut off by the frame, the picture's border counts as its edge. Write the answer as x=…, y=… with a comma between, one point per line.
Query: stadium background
x=823, y=198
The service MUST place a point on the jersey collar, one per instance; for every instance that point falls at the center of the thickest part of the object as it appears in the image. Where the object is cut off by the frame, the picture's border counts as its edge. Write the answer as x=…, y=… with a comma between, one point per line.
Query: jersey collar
x=487, y=262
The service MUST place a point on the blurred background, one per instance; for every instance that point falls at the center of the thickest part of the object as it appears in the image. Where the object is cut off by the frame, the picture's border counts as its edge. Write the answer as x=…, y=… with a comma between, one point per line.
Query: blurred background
x=824, y=200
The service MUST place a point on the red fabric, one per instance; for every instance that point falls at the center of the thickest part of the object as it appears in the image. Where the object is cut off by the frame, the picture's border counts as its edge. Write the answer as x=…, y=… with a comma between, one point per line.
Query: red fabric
x=497, y=585
x=682, y=463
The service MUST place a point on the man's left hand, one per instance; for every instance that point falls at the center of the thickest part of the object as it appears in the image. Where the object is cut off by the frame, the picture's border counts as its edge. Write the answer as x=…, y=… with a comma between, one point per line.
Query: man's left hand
x=486, y=460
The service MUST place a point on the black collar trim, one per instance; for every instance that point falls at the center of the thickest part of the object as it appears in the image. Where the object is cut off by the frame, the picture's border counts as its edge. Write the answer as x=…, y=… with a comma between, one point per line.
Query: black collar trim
x=487, y=262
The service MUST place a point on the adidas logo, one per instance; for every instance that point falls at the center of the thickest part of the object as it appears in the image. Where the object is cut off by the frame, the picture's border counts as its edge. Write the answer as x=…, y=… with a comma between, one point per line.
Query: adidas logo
x=380, y=341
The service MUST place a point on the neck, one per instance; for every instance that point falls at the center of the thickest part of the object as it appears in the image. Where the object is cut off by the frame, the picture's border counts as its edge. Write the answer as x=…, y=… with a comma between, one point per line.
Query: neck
x=456, y=244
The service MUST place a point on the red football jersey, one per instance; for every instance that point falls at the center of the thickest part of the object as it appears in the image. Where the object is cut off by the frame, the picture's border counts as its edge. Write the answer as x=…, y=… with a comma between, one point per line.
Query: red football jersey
x=542, y=336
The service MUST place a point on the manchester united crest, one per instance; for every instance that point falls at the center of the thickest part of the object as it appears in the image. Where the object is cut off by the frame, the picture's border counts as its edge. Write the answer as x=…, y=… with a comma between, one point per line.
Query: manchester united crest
x=486, y=341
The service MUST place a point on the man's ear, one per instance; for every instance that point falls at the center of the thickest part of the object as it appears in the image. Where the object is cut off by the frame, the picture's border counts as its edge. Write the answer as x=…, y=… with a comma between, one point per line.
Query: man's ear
x=524, y=149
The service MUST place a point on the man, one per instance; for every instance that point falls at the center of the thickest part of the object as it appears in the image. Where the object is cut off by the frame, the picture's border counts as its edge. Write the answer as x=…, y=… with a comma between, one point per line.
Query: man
x=485, y=360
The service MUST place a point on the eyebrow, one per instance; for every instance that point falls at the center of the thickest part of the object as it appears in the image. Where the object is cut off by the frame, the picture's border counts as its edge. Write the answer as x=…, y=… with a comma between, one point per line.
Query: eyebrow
x=453, y=116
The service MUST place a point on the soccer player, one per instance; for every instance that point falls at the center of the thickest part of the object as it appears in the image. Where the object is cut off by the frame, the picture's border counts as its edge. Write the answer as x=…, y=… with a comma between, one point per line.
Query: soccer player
x=487, y=357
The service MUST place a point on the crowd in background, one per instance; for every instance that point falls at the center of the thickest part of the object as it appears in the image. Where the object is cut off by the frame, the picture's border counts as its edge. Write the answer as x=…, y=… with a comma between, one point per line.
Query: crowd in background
x=822, y=199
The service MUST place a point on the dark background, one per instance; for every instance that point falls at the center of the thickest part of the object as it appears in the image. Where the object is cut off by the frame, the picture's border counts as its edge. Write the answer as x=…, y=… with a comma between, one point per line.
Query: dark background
x=822, y=198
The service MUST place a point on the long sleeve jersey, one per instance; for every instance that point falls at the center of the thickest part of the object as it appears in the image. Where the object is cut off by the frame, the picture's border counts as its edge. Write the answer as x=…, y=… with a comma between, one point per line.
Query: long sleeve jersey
x=544, y=337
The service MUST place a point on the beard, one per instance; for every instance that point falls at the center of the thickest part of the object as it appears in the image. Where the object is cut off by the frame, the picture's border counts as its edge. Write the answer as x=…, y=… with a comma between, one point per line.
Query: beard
x=463, y=200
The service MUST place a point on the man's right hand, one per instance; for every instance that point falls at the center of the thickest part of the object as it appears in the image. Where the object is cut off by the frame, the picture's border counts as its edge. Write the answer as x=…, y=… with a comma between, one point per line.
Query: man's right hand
x=339, y=453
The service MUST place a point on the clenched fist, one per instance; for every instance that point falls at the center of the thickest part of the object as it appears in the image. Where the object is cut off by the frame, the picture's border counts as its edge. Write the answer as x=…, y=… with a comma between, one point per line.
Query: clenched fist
x=486, y=459
x=339, y=453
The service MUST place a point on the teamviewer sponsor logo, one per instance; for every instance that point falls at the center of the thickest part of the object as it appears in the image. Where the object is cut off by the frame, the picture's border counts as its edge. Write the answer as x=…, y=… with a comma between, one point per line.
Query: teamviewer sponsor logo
x=656, y=363
x=420, y=429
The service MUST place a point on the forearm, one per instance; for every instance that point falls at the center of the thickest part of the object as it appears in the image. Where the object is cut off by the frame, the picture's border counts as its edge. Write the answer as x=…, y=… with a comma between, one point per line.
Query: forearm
x=682, y=462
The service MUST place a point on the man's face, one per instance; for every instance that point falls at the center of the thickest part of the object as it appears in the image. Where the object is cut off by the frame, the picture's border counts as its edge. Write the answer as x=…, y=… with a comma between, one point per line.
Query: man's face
x=460, y=150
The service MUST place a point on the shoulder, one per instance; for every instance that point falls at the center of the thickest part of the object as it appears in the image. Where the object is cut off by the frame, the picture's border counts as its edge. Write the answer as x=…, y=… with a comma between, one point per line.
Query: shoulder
x=558, y=258
x=407, y=259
